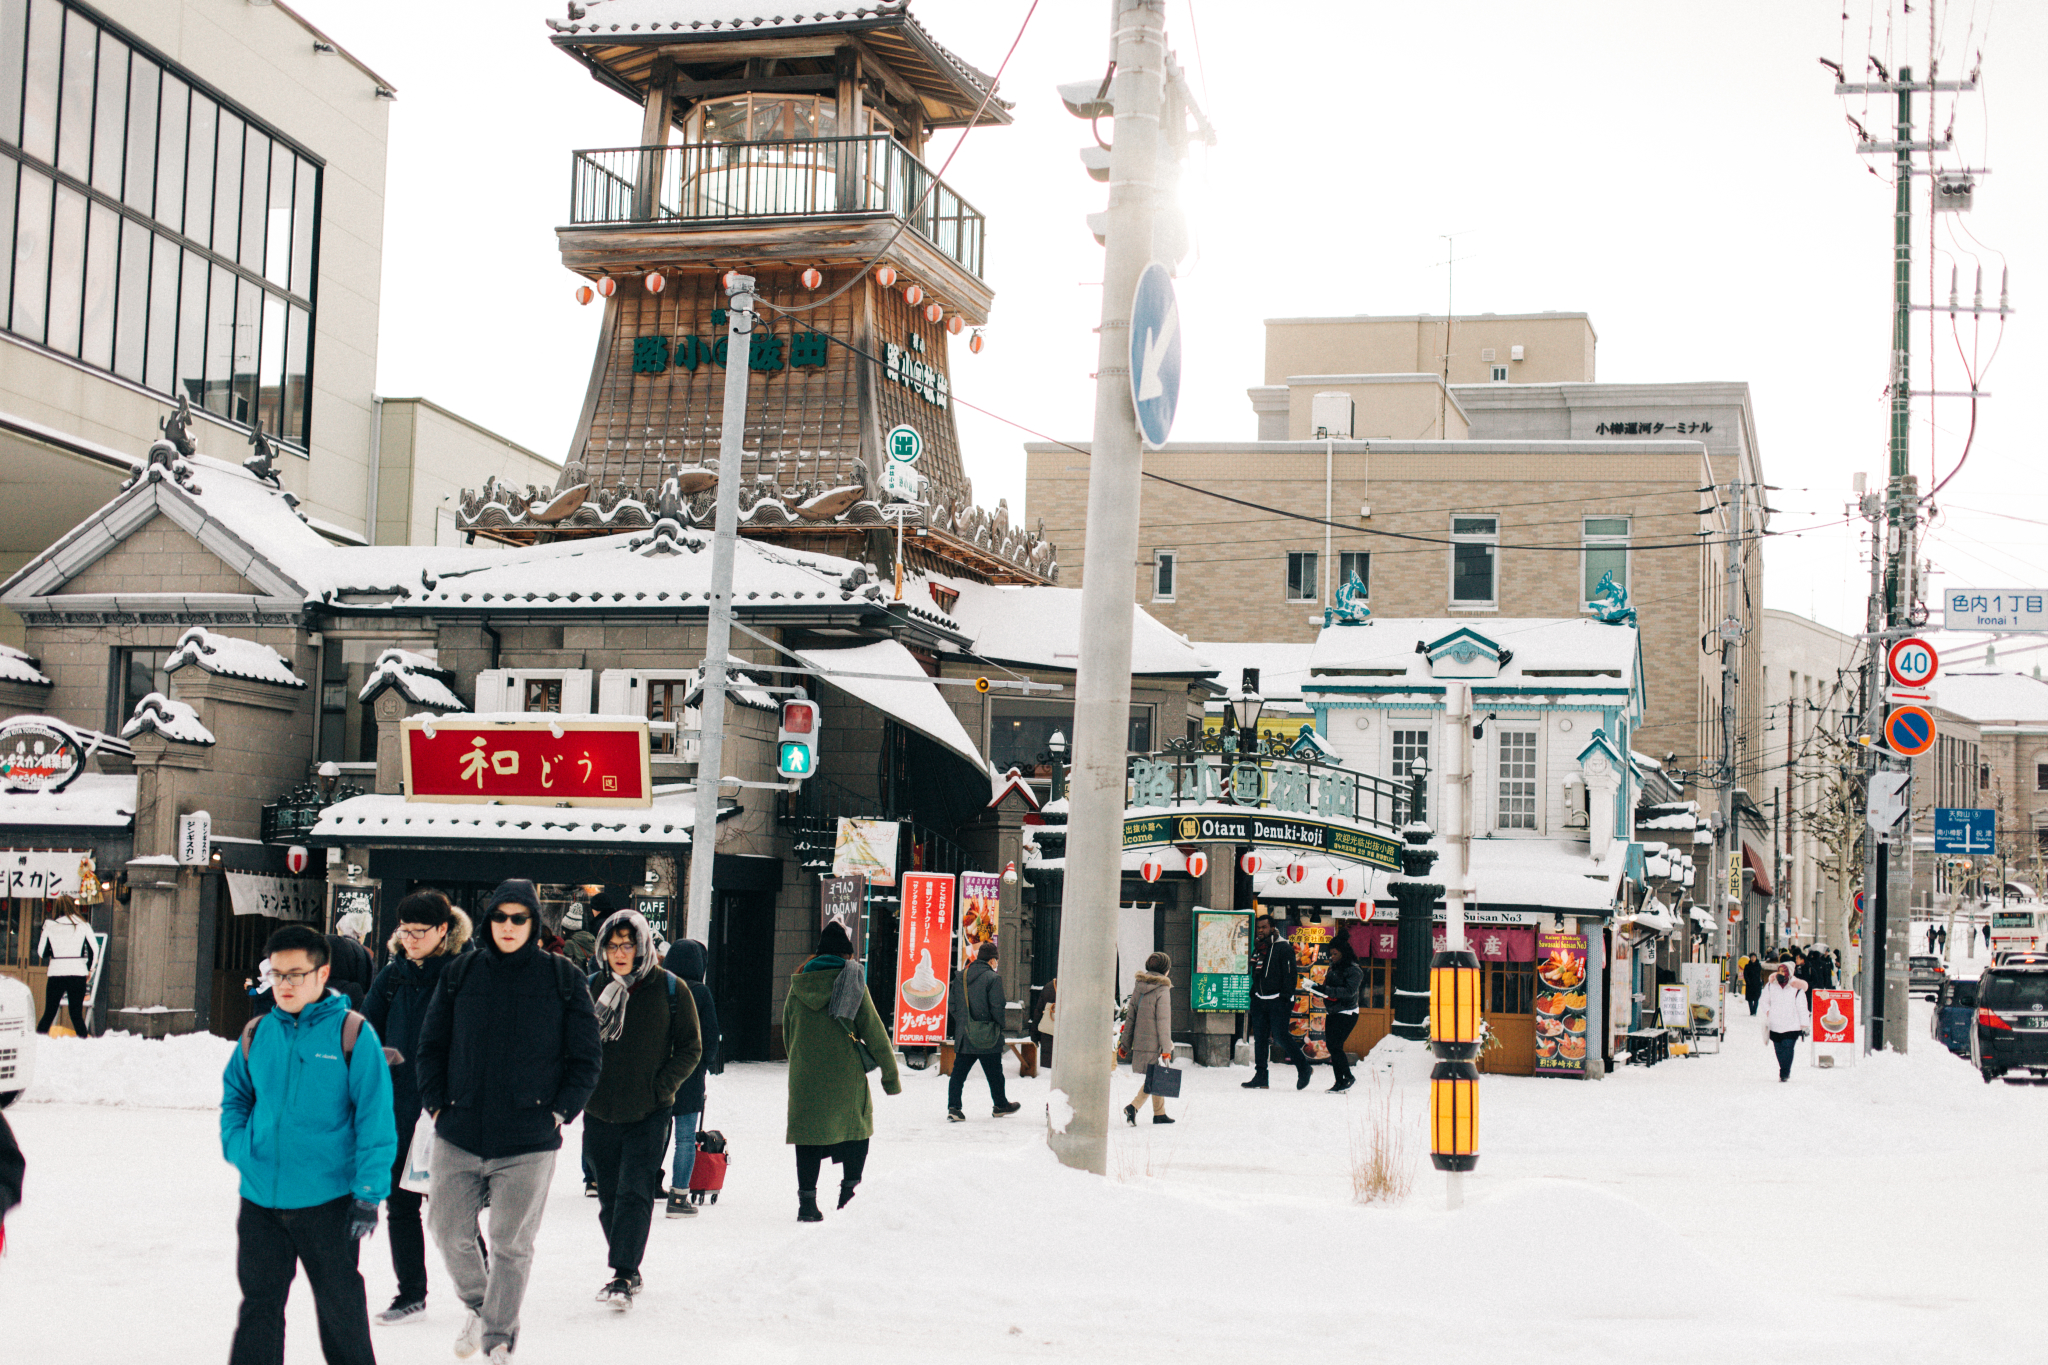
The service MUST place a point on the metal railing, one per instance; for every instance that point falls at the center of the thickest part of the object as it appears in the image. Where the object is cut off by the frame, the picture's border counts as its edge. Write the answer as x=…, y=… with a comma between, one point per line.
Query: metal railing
x=716, y=182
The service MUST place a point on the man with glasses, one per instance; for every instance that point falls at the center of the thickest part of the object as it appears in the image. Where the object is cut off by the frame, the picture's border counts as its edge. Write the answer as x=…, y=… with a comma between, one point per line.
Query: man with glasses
x=508, y=1054
x=305, y=1116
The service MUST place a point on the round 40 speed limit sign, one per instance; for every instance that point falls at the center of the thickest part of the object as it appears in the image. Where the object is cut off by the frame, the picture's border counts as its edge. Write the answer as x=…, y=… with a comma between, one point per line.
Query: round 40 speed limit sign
x=1912, y=662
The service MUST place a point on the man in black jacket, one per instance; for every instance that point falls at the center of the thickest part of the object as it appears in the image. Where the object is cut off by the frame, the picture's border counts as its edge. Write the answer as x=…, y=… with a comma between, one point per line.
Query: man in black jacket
x=978, y=1010
x=686, y=960
x=508, y=1054
x=1273, y=980
x=647, y=1024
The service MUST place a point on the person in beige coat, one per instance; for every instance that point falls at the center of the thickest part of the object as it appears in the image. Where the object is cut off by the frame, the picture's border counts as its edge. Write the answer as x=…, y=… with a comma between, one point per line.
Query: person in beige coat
x=1148, y=1030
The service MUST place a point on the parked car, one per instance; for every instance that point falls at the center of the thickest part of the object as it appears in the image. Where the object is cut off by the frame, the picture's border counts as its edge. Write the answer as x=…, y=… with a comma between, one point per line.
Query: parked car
x=1924, y=974
x=1955, y=1008
x=2011, y=1028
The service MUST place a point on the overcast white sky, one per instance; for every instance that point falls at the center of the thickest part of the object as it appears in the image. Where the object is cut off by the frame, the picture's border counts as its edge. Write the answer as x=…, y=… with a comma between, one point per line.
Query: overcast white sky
x=1683, y=174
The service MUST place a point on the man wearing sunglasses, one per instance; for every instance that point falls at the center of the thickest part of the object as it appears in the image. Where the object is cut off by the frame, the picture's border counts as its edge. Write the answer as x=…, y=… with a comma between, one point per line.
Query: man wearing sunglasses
x=508, y=1054
x=305, y=1116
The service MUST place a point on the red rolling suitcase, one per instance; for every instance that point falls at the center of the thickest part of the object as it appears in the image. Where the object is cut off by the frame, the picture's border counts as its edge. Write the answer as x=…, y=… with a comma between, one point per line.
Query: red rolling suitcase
x=707, y=1173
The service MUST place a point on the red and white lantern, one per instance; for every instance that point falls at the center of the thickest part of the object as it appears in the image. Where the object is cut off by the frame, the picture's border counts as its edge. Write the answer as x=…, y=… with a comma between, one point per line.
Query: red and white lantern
x=607, y=286
x=934, y=312
x=1253, y=863
x=885, y=275
x=584, y=293
x=1198, y=864
x=812, y=278
x=1151, y=868
x=913, y=294
x=974, y=343
x=296, y=858
x=655, y=282
x=956, y=324
x=1336, y=884
x=1294, y=872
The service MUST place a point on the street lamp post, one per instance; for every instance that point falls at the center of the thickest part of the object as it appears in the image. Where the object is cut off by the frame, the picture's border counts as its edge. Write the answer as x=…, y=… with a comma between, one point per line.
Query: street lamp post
x=1245, y=706
x=1058, y=745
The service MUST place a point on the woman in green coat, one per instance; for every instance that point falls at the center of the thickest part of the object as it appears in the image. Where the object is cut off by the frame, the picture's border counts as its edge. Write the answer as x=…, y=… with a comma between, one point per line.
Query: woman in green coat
x=831, y=1110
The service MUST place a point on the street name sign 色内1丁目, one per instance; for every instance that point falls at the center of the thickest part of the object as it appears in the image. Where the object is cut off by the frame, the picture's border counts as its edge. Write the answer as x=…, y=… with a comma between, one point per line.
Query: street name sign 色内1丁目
x=1999, y=609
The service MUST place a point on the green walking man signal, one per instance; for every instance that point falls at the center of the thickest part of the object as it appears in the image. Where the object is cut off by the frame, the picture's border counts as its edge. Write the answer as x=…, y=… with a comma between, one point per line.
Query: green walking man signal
x=798, y=739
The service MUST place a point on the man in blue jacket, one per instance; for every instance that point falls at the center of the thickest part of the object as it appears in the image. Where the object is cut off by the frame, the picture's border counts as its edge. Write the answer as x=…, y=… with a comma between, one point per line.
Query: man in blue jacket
x=305, y=1116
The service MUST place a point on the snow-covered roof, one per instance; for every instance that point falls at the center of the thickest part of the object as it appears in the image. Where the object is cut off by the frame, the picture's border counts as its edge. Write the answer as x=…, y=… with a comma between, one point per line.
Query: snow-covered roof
x=1283, y=668
x=174, y=720
x=232, y=657
x=1992, y=697
x=90, y=801
x=387, y=819
x=1545, y=652
x=913, y=700
x=418, y=679
x=16, y=666
x=1041, y=628
x=1558, y=875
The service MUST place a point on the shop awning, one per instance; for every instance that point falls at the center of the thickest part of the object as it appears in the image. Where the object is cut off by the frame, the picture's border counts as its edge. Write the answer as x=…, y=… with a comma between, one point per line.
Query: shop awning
x=903, y=692
x=92, y=801
x=1546, y=873
x=1758, y=865
x=385, y=820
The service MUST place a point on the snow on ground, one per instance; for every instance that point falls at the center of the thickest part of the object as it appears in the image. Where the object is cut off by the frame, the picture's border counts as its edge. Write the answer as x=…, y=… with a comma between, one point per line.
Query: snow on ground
x=1693, y=1211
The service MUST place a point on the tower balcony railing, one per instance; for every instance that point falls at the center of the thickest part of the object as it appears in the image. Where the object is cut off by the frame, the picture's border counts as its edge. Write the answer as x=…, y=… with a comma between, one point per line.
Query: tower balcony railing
x=727, y=182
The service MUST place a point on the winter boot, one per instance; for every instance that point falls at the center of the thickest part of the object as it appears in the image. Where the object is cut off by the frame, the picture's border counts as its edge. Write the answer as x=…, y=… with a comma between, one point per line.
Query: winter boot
x=955, y=1116
x=470, y=1336
x=1003, y=1111
x=1161, y=1118
x=1303, y=1074
x=1257, y=1082
x=402, y=1309
x=1131, y=1115
x=846, y=1189
x=679, y=1205
x=807, y=1207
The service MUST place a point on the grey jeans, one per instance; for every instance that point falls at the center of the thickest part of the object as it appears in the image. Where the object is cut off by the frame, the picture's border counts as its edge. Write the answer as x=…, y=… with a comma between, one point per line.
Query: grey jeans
x=516, y=1189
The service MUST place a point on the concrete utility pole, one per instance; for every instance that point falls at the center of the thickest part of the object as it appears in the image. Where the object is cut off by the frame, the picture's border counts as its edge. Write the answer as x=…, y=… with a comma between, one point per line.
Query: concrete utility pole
x=1102, y=683
x=1731, y=636
x=718, y=637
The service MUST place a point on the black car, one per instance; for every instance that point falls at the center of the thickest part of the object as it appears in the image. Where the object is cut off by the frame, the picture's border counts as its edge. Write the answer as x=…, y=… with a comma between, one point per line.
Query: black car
x=2011, y=1028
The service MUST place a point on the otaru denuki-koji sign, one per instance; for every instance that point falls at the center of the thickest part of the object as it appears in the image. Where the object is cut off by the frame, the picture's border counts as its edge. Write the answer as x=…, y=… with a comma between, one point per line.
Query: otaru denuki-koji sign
x=528, y=760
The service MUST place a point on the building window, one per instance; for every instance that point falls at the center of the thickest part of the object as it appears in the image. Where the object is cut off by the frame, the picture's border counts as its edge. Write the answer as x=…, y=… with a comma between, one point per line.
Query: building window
x=1500, y=374
x=1355, y=564
x=2041, y=777
x=137, y=673
x=1606, y=552
x=1164, y=565
x=1517, y=780
x=541, y=694
x=1020, y=734
x=153, y=231
x=1301, y=576
x=665, y=703
x=1475, y=550
x=1983, y=777
x=1411, y=747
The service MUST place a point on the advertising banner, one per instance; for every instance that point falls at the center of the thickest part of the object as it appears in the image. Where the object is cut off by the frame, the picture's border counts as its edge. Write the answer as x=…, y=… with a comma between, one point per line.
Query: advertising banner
x=922, y=941
x=346, y=899
x=981, y=912
x=1309, y=1017
x=1266, y=831
x=548, y=760
x=839, y=902
x=40, y=873
x=294, y=898
x=866, y=848
x=1222, y=981
x=1834, y=1016
x=1560, y=1004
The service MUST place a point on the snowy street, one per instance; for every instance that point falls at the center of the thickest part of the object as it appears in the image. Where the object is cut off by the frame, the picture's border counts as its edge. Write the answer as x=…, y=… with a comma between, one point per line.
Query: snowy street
x=1696, y=1210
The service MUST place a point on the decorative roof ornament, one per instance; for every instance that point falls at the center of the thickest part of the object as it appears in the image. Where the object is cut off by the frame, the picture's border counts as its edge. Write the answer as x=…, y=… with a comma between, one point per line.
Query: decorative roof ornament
x=260, y=464
x=174, y=720
x=1610, y=602
x=177, y=430
x=1350, y=609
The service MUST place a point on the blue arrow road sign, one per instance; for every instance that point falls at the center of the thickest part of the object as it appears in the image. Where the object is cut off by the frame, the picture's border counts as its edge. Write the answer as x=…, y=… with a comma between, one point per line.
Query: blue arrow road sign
x=1155, y=354
x=1961, y=829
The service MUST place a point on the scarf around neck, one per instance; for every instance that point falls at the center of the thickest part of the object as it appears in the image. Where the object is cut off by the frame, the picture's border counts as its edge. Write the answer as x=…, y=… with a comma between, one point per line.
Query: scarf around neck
x=611, y=1001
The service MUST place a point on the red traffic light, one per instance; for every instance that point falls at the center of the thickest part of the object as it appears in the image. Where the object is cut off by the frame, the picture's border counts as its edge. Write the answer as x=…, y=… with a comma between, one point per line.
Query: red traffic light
x=799, y=717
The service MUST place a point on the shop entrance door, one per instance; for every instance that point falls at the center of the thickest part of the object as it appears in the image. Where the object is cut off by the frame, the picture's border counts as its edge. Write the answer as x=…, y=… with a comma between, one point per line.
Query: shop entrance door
x=743, y=972
x=1375, y=1004
x=1508, y=993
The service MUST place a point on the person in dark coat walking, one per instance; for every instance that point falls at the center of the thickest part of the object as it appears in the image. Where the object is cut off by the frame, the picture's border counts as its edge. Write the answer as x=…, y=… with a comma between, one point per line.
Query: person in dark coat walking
x=1341, y=985
x=978, y=1035
x=1752, y=982
x=350, y=966
x=509, y=1053
x=1818, y=969
x=1272, y=1008
x=827, y=1019
x=1148, y=1031
x=647, y=1023
x=687, y=959
x=429, y=935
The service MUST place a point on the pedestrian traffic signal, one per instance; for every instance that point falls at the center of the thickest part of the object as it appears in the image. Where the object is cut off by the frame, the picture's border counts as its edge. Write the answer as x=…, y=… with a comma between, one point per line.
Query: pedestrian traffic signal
x=797, y=739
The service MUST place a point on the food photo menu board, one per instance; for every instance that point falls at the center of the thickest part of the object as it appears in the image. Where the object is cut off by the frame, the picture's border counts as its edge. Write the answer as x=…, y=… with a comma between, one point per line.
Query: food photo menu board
x=923, y=942
x=1560, y=1004
x=1309, y=941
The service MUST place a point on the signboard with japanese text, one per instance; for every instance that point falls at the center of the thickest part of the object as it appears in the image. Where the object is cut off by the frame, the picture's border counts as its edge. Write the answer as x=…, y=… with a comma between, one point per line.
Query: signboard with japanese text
x=195, y=839
x=923, y=939
x=1965, y=829
x=1999, y=609
x=300, y=899
x=38, y=755
x=344, y=898
x=867, y=848
x=1308, y=1018
x=543, y=761
x=839, y=902
x=658, y=911
x=1834, y=1016
x=981, y=912
x=1560, y=1004
x=1253, y=827
x=39, y=873
x=1222, y=980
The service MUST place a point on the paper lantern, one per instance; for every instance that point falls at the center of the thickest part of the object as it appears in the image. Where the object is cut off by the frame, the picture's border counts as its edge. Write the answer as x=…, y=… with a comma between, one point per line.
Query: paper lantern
x=885, y=275
x=607, y=286
x=1198, y=864
x=1150, y=869
x=934, y=312
x=655, y=282
x=1295, y=872
x=584, y=293
x=913, y=294
x=974, y=343
x=1336, y=884
x=812, y=278
x=956, y=324
x=1252, y=863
